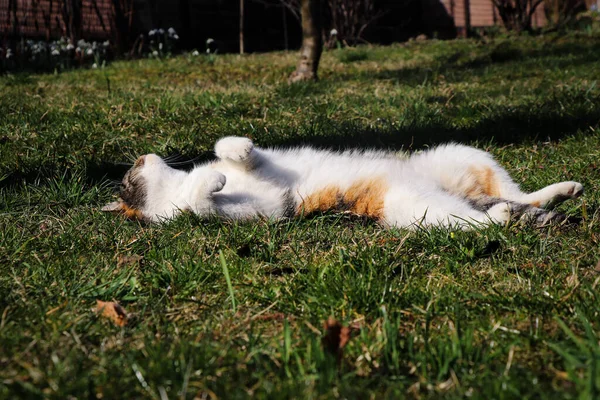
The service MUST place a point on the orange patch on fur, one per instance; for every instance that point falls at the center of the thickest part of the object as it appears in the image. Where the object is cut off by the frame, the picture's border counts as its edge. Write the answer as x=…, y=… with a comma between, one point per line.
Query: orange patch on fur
x=364, y=197
x=325, y=199
x=484, y=183
x=535, y=203
x=131, y=213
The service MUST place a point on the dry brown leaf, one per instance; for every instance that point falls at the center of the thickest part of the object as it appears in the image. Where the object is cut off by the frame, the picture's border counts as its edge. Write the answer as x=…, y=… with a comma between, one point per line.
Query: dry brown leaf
x=112, y=311
x=123, y=260
x=276, y=316
x=336, y=337
x=597, y=268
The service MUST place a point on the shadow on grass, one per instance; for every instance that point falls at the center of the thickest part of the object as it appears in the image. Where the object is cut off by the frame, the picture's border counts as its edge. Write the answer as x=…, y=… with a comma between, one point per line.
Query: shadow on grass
x=517, y=127
x=514, y=126
x=459, y=70
x=99, y=172
x=462, y=65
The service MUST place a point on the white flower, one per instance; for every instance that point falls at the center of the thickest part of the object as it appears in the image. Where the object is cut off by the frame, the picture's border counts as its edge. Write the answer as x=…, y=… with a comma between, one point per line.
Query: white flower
x=161, y=31
x=195, y=53
x=70, y=46
x=94, y=65
x=55, y=52
x=78, y=50
x=160, y=46
x=209, y=41
x=207, y=51
x=89, y=52
x=171, y=31
x=333, y=32
x=155, y=53
x=152, y=32
x=106, y=43
x=176, y=36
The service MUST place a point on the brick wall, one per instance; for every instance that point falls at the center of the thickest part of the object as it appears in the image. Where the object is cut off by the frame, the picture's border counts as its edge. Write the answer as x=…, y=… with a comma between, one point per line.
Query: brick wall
x=482, y=13
x=45, y=19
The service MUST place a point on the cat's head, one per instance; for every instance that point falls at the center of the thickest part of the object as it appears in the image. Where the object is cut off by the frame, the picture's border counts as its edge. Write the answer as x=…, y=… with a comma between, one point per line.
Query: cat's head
x=142, y=186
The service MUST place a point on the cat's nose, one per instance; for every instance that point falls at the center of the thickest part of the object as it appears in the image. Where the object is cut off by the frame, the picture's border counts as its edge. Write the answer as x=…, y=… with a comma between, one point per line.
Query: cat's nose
x=140, y=161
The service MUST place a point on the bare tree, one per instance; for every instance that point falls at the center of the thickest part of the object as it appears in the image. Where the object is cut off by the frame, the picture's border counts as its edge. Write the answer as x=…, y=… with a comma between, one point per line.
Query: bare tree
x=72, y=17
x=121, y=23
x=560, y=13
x=516, y=15
x=350, y=18
x=312, y=42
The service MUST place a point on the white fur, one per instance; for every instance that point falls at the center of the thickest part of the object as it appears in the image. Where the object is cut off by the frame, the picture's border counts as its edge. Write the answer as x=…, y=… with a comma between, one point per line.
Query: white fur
x=248, y=182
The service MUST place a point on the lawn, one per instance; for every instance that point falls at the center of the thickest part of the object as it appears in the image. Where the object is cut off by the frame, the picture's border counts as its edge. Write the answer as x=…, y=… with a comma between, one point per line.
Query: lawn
x=232, y=310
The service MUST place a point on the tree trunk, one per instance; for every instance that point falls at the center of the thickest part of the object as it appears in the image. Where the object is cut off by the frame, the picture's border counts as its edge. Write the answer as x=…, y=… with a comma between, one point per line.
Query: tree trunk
x=73, y=19
x=121, y=24
x=241, y=26
x=312, y=42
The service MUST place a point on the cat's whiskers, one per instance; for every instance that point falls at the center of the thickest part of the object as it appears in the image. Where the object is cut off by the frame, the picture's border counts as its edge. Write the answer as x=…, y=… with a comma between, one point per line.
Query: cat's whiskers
x=113, y=183
x=174, y=163
x=172, y=157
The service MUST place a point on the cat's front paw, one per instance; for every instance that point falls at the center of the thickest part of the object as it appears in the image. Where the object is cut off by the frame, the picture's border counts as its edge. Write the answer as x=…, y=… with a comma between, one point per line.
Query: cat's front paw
x=234, y=148
x=204, y=181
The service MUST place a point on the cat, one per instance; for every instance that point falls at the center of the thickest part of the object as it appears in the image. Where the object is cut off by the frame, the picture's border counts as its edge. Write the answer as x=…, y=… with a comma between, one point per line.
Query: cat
x=451, y=185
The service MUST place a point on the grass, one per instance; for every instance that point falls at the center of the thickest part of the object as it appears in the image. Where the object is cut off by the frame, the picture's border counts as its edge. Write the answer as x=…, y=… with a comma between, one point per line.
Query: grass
x=224, y=310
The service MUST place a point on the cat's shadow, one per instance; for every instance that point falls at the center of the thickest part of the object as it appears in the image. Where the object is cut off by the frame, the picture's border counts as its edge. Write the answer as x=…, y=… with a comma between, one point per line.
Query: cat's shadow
x=514, y=126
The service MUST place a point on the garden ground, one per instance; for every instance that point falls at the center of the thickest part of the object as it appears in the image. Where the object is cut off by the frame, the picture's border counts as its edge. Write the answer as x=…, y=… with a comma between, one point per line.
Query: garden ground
x=229, y=310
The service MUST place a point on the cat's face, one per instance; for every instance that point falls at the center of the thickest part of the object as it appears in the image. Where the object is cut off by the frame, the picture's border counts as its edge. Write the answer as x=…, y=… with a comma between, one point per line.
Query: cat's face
x=140, y=187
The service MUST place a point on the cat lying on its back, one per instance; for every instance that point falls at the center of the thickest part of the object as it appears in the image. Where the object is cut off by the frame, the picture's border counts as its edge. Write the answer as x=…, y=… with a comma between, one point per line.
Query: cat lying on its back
x=451, y=185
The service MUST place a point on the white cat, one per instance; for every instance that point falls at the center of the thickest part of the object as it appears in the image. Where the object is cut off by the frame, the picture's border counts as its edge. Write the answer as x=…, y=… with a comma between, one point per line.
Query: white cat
x=451, y=185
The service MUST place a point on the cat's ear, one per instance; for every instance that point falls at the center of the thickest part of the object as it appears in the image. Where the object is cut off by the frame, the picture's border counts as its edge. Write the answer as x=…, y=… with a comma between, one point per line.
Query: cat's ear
x=114, y=207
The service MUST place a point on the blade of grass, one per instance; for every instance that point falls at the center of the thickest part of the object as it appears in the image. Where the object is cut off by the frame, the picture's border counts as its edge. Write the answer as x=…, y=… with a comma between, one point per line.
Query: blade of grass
x=228, y=279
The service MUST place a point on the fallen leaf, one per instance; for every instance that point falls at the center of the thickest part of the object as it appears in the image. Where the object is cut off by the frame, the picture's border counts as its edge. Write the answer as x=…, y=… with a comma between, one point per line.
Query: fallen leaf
x=336, y=337
x=112, y=311
x=123, y=260
x=597, y=268
x=276, y=316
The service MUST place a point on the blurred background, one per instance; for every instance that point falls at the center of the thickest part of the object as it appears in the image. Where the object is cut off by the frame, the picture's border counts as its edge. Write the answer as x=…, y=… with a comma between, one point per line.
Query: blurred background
x=50, y=34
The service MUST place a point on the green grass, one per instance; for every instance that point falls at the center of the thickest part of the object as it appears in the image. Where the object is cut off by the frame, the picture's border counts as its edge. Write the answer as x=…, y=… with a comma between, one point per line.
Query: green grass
x=233, y=310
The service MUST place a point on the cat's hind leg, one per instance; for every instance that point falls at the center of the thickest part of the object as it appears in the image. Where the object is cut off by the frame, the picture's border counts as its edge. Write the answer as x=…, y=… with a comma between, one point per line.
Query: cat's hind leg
x=553, y=194
x=474, y=174
x=412, y=207
x=494, y=181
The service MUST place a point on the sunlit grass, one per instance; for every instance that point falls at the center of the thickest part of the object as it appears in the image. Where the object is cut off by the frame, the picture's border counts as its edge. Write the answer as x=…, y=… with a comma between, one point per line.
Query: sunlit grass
x=233, y=310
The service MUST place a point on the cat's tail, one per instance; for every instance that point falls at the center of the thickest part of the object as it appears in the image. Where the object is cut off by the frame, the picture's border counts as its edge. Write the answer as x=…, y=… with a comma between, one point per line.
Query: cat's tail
x=505, y=211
